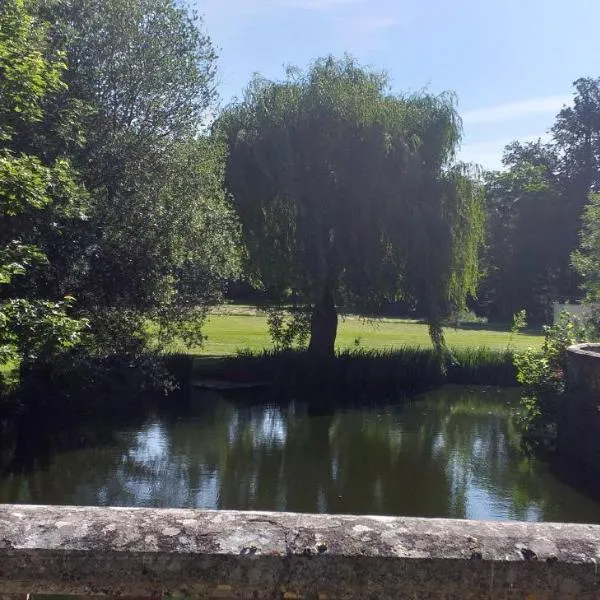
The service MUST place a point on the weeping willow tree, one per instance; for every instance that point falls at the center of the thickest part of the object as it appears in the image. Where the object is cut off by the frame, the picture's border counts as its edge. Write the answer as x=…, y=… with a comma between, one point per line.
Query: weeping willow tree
x=349, y=197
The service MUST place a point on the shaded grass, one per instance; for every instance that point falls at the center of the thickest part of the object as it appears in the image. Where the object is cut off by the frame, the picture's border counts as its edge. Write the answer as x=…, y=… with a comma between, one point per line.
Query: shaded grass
x=482, y=366
x=229, y=333
x=360, y=375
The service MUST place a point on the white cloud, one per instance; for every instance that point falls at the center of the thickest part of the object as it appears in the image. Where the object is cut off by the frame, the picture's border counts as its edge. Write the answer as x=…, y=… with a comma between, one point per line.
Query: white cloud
x=513, y=111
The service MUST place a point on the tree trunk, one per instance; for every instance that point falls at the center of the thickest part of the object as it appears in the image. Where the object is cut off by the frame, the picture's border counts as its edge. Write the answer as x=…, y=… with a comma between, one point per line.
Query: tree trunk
x=323, y=327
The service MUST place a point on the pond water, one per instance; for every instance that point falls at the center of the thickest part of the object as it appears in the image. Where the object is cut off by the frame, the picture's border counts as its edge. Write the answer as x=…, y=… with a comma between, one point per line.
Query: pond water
x=453, y=452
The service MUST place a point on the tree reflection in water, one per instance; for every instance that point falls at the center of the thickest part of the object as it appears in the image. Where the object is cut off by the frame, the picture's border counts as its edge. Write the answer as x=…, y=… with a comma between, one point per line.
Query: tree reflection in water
x=453, y=452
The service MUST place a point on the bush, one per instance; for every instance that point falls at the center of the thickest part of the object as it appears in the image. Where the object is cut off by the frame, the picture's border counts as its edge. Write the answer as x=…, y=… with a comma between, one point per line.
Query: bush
x=76, y=384
x=543, y=374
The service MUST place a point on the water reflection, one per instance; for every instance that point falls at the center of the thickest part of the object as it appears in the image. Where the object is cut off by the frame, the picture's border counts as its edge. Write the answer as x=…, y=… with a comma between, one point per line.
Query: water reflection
x=452, y=453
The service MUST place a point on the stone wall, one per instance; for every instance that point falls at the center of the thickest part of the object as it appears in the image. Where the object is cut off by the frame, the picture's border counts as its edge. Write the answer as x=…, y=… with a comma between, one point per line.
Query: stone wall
x=152, y=552
x=579, y=419
x=584, y=370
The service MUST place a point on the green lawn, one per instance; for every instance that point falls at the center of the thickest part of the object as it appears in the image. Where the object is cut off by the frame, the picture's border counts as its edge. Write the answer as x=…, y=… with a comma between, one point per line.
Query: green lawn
x=244, y=329
x=238, y=328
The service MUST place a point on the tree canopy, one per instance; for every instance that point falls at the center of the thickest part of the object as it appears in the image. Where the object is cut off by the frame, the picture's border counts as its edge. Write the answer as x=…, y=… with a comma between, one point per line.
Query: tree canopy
x=535, y=209
x=586, y=259
x=348, y=195
x=522, y=260
x=113, y=214
x=32, y=188
x=159, y=241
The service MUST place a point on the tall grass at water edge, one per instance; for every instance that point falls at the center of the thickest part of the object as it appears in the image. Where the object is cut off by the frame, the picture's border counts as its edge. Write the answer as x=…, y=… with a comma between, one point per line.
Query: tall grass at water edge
x=363, y=374
x=482, y=366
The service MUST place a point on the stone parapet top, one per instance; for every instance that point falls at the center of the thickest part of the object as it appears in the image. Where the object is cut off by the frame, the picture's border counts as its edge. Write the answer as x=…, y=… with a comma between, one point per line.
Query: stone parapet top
x=230, y=554
x=588, y=349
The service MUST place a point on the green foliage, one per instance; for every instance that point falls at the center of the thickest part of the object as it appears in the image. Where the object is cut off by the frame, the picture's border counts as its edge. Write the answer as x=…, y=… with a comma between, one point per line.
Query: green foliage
x=535, y=210
x=348, y=195
x=30, y=326
x=145, y=66
x=27, y=71
x=288, y=327
x=576, y=134
x=482, y=366
x=522, y=258
x=76, y=386
x=362, y=375
x=543, y=375
x=519, y=323
x=160, y=239
x=15, y=258
x=37, y=328
x=586, y=259
x=545, y=371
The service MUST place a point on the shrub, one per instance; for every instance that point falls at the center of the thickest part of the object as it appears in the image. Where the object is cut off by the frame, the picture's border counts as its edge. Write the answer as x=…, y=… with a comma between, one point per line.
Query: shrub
x=360, y=375
x=543, y=374
x=77, y=384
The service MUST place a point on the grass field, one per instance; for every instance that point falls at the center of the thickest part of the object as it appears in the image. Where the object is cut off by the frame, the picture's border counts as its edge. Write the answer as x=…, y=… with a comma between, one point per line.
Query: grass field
x=240, y=328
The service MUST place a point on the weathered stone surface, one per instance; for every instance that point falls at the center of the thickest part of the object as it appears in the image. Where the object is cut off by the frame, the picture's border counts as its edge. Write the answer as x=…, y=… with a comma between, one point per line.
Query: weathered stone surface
x=578, y=422
x=584, y=369
x=218, y=554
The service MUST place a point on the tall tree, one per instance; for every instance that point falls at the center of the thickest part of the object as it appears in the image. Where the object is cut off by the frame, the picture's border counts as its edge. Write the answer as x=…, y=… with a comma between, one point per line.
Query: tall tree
x=586, y=259
x=348, y=195
x=33, y=189
x=522, y=260
x=535, y=211
x=576, y=134
x=159, y=242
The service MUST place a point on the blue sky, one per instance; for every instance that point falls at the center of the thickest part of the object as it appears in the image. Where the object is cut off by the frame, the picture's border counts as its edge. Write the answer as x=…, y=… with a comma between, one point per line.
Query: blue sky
x=511, y=62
